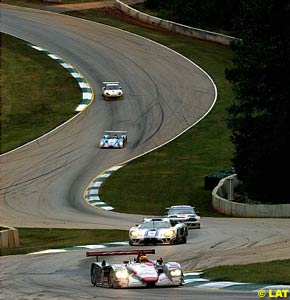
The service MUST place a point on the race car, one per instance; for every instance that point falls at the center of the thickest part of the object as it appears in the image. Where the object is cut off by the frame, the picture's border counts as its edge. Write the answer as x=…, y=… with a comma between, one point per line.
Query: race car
x=183, y=214
x=139, y=272
x=158, y=231
x=113, y=139
x=111, y=90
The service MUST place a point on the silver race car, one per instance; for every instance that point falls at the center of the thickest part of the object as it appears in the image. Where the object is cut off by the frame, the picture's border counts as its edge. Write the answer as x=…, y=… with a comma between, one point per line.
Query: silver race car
x=112, y=90
x=158, y=231
x=183, y=214
x=139, y=272
x=113, y=139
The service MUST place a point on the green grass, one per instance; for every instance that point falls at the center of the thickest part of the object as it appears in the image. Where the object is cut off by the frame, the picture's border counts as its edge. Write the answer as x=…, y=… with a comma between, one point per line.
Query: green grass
x=39, y=3
x=37, y=94
x=274, y=272
x=37, y=239
x=175, y=174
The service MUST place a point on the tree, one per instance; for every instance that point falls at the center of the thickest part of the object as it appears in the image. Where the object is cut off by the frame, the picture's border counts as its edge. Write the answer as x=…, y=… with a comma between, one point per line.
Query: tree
x=260, y=116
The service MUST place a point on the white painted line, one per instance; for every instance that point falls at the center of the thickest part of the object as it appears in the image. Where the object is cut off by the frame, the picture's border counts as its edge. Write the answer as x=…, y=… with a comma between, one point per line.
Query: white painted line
x=49, y=251
x=54, y=56
x=76, y=75
x=221, y=284
x=87, y=95
x=84, y=85
x=115, y=168
x=105, y=175
x=94, y=198
x=118, y=243
x=81, y=107
x=67, y=66
x=195, y=280
x=93, y=192
x=107, y=207
x=99, y=202
x=97, y=184
x=37, y=48
x=92, y=246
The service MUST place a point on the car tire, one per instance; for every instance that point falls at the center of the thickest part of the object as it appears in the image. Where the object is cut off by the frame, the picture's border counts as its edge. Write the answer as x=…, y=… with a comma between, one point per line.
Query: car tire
x=183, y=240
x=111, y=282
x=131, y=243
x=93, y=275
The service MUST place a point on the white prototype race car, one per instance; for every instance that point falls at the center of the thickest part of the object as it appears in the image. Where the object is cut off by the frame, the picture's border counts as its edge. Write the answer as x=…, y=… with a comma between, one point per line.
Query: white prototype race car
x=139, y=272
x=158, y=231
x=112, y=90
x=183, y=214
x=113, y=140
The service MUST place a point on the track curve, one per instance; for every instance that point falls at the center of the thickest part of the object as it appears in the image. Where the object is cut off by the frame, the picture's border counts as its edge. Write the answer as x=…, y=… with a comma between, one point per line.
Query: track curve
x=42, y=183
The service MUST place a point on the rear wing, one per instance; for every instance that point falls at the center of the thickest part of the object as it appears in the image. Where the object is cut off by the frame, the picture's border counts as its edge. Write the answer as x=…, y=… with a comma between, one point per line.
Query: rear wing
x=115, y=131
x=111, y=82
x=111, y=253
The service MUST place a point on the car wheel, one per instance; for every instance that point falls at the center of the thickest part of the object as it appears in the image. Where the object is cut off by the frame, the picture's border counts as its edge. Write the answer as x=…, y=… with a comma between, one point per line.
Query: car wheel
x=93, y=275
x=112, y=282
x=131, y=243
x=183, y=240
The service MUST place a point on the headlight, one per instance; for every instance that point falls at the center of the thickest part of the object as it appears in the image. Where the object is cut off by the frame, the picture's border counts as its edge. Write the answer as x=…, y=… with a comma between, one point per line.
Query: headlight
x=169, y=233
x=101, y=143
x=134, y=233
x=175, y=273
x=121, y=274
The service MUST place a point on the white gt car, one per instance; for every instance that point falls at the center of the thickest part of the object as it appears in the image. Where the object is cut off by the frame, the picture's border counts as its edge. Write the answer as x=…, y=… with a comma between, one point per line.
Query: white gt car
x=112, y=90
x=183, y=214
x=158, y=231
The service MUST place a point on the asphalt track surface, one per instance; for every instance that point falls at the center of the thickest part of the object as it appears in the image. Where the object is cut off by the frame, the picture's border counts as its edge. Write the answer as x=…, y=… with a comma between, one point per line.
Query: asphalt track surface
x=42, y=183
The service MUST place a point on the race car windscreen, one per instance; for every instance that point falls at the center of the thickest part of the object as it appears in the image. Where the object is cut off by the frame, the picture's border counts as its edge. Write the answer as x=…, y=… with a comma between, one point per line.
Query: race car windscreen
x=181, y=211
x=113, y=87
x=155, y=224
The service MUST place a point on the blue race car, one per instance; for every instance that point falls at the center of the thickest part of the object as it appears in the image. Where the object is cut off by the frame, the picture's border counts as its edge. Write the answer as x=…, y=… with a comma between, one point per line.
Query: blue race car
x=113, y=140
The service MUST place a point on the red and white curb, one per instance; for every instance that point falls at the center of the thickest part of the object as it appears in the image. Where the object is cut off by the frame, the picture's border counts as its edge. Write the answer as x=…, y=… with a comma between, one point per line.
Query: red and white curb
x=87, y=93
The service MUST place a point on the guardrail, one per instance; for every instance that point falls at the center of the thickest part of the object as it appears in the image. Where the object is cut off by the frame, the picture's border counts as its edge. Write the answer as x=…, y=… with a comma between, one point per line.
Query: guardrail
x=9, y=237
x=172, y=26
x=236, y=209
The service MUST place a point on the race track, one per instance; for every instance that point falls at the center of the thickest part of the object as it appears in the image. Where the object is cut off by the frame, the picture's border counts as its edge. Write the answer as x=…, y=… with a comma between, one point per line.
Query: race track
x=42, y=183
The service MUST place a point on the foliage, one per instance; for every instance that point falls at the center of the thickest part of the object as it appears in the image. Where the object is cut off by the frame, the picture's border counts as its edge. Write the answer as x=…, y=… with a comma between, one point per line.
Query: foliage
x=259, y=118
x=210, y=14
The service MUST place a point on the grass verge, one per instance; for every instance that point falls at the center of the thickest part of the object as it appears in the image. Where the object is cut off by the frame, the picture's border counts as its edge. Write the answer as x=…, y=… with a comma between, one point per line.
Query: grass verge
x=273, y=272
x=40, y=3
x=37, y=94
x=175, y=173
x=37, y=239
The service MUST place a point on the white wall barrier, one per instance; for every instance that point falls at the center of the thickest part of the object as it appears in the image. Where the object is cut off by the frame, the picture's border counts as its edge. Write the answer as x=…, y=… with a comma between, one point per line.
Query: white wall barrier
x=172, y=26
x=235, y=209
